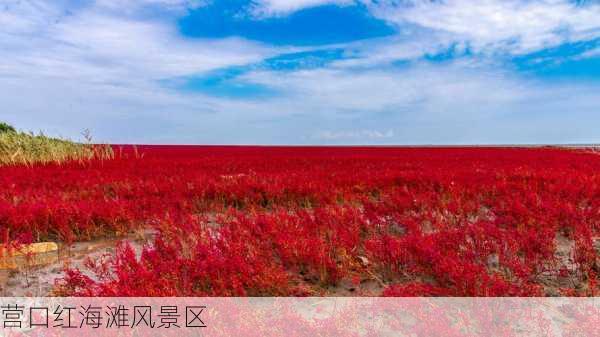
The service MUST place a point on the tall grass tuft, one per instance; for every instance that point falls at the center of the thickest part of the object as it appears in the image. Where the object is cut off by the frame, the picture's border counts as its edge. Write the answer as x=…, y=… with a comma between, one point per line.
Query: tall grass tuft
x=19, y=148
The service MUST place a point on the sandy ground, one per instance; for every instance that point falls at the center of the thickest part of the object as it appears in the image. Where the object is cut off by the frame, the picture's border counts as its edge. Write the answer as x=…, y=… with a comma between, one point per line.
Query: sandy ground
x=39, y=280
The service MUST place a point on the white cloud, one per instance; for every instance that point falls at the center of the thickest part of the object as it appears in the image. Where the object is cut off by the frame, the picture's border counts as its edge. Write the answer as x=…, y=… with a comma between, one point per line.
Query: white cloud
x=64, y=69
x=487, y=26
x=455, y=103
x=410, y=44
x=387, y=89
x=282, y=7
x=590, y=53
x=131, y=7
x=361, y=135
x=92, y=45
x=25, y=17
x=490, y=25
x=98, y=67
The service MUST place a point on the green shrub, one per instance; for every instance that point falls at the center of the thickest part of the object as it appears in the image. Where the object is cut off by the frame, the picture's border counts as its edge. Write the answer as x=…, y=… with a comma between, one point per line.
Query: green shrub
x=4, y=127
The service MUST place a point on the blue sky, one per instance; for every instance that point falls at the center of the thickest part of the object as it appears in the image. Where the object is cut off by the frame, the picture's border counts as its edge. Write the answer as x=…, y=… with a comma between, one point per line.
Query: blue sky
x=303, y=71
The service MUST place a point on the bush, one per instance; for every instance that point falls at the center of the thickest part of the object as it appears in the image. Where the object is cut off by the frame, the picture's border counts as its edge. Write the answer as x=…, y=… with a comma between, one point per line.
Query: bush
x=4, y=127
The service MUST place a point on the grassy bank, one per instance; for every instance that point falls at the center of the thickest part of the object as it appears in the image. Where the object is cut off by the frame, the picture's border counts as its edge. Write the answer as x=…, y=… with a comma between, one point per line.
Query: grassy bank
x=18, y=148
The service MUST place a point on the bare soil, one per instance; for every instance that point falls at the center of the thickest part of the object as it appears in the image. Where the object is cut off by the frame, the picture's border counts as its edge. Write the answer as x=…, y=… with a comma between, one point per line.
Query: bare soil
x=40, y=280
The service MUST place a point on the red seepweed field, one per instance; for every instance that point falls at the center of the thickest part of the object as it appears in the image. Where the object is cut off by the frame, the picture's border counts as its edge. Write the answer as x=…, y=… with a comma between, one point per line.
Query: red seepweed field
x=298, y=221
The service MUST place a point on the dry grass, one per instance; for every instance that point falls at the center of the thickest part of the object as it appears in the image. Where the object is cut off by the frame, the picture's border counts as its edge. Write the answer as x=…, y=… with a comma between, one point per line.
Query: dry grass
x=18, y=148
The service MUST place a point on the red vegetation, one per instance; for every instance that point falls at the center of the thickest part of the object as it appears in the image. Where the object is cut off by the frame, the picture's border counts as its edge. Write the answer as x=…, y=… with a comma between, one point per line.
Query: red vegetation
x=314, y=221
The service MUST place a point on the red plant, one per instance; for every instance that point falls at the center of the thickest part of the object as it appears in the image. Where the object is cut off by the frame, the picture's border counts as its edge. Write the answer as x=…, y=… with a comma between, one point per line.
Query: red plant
x=313, y=221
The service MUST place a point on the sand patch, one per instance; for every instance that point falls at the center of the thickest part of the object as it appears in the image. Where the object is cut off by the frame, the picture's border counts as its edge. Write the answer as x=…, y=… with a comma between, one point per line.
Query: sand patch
x=39, y=280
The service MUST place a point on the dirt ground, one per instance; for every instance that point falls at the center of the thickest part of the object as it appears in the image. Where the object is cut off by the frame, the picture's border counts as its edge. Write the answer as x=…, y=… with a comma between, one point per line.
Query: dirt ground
x=39, y=280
